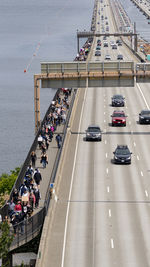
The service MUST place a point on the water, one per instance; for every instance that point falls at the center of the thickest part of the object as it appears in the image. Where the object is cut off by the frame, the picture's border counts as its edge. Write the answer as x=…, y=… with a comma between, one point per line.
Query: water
x=31, y=32
x=142, y=26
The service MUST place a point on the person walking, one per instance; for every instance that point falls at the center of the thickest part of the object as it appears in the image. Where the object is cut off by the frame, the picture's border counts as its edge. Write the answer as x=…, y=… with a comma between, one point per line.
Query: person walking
x=58, y=140
x=44, y=160
x=37, y=177
x=37, y=196
x=33, y=158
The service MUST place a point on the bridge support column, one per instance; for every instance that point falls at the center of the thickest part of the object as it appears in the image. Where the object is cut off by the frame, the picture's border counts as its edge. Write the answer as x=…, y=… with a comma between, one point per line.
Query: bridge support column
x=77, y=44
x=36, y=102
x=135, y=43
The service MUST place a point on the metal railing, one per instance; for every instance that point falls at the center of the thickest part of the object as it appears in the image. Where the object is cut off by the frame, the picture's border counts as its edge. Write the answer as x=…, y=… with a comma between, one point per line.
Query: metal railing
x=143, y=67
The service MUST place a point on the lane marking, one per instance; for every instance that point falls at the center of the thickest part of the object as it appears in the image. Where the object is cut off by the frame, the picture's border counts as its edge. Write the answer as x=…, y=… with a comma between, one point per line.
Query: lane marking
x=105, y=142
x=106, y=155
x=138, y=157
x=104, y=106
x=71, y=184
x=108, y=189
x=129, y=122
x=142, y=173
x=104, y=120
x=134, y=144
x=112, y=243
x=109, y=213
x=143, y=96
x=146, y=193
x=107, y=170
x=104, y=112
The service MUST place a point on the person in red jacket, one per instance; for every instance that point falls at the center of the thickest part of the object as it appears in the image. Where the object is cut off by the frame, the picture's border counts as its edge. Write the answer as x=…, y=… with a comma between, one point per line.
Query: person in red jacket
x=18, y=207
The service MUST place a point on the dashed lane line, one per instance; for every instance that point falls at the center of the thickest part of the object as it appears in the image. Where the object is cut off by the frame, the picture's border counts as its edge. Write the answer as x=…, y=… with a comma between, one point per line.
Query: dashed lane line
x=112, y=243
x=108, y=189
x=109, y=213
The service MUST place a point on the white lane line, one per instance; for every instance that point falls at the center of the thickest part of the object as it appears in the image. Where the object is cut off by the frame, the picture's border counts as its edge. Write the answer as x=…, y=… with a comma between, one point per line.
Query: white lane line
x=129, y=122
x=105, y=142
x=142, y=173
x=109, y=213
x=106, y=155
x=104, y=106
x=104, y=120
x=146, y=193
x=112, y=243
x=138, y=157
x=71, y=185
x=143, y=96
x=107, y=170
x=134, y=144
x=104, y=112
x=108, y=190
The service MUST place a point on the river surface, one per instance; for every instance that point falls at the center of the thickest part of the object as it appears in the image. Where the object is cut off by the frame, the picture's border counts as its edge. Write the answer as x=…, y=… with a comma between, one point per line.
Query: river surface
x=30, y=32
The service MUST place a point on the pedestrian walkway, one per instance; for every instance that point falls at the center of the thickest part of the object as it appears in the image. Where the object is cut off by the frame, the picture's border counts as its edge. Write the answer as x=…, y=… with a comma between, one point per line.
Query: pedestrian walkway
x=29, y=199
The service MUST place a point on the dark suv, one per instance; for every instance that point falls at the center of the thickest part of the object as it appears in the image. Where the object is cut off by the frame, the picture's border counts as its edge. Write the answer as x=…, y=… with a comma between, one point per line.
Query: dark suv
x=144, y=117
x=93, y=132
x=118, y=101
x=122, y=155
x=118, y=118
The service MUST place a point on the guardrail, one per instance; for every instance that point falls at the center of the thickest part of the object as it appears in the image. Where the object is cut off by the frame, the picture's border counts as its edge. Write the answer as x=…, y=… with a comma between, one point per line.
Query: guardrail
x=143, y=67
x=80, y=67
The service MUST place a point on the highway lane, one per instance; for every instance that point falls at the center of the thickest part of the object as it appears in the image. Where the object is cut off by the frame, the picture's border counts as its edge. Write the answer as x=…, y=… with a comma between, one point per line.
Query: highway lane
x=105, y=11
x=108, y=218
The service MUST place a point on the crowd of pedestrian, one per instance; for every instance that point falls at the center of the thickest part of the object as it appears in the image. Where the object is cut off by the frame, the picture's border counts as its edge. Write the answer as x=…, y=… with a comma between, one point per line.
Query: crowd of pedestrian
x=25, y=199
x=56, y=117
x=83, y=53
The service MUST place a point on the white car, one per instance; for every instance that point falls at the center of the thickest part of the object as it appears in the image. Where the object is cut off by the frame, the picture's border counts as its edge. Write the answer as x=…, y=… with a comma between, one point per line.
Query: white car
x=107, y=57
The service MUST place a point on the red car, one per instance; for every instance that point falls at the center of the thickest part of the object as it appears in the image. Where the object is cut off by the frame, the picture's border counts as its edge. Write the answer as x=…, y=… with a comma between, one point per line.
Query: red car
x=118, y=118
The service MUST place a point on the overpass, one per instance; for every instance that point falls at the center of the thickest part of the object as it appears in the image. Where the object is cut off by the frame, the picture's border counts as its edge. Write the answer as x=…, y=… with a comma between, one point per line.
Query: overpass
x=101, y=216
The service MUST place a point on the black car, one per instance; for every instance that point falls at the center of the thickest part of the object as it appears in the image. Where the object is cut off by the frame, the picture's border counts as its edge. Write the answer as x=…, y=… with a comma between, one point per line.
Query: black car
x=118, y=101
x=120, y=57
x=122, y=155
x=97, y=53
x=93, y=132
x=144, y=117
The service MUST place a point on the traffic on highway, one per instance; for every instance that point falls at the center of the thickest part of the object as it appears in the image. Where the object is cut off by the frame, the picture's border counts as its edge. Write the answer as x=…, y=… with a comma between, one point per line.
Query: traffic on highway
x=102, y=216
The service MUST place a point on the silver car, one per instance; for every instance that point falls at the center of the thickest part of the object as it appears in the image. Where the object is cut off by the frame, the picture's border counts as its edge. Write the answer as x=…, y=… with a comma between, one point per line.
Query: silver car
x=94, y=133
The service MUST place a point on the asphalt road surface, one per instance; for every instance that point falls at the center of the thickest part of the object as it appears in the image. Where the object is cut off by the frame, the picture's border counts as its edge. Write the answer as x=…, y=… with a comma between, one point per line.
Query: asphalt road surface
x=102, y=211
